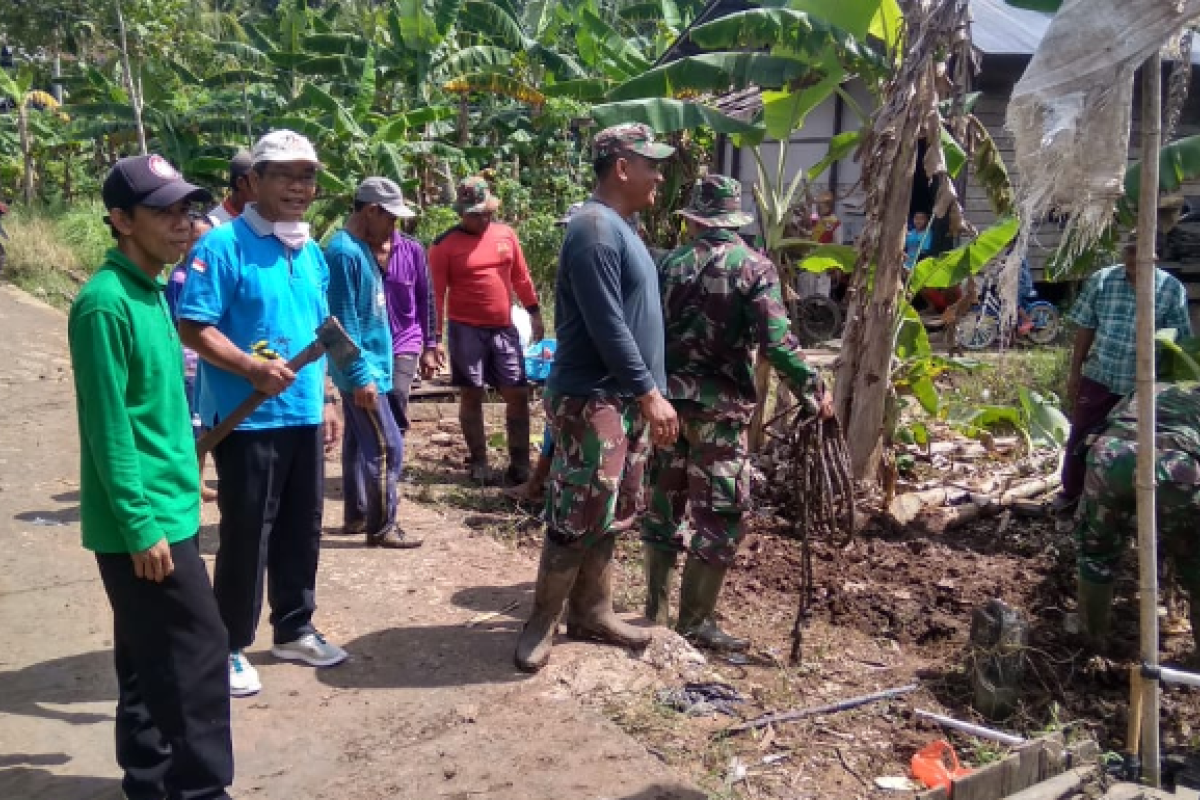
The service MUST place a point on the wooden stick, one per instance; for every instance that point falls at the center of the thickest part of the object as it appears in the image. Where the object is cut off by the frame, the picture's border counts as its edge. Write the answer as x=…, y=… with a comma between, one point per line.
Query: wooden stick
x=1133, y=736
x=816, y=711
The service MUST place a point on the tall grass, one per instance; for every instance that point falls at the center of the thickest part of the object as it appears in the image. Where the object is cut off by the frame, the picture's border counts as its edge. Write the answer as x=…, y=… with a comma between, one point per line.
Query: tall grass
x=52, y=251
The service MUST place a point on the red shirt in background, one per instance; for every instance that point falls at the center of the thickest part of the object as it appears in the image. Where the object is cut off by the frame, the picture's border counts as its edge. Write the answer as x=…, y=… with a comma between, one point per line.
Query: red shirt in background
x=474, y=277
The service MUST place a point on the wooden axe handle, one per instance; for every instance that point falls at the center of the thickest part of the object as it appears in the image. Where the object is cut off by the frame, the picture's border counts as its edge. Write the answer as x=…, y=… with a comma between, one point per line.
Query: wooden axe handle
x=213, y=437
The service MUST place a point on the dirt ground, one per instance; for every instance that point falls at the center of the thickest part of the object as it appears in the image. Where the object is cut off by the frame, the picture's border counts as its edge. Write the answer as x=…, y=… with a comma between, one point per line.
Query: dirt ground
x=430, y=706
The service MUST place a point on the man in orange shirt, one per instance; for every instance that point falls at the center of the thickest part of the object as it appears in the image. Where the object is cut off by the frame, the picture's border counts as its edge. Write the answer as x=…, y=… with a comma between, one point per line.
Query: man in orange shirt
x=477, y=266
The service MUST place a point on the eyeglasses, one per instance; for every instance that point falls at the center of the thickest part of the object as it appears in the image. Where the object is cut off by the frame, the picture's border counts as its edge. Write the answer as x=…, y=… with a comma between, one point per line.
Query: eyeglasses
x=305, y=179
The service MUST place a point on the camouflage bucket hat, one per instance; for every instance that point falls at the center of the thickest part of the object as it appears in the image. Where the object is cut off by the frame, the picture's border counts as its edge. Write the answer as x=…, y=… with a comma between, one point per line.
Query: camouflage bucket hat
x=474, y=197
x=717, y=202
x=629, y=137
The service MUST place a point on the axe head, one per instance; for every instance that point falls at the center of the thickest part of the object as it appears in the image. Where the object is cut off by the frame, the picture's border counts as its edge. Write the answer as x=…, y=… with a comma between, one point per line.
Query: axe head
x=338, y=346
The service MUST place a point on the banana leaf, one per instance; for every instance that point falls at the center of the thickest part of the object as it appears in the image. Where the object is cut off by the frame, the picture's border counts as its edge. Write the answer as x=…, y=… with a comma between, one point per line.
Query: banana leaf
x=1178, y=163
x=718, y=72
x=805, y=35
x=665, y=115
x=1178, y=359
x=953, y=267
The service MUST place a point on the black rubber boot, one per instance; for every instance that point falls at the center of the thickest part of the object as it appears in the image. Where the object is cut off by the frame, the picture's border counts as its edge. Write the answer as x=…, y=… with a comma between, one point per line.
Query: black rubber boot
x=590, y=612
x=556, y=575
x=698, y=601
x=471, y=422
x=660, y=570
x=518, y=451
x=1095, y=610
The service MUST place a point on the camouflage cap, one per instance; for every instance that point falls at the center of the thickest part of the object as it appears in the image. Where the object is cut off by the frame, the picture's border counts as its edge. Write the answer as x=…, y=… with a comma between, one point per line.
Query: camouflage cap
x=717, y=202
x=474, y=197
x=629, y=137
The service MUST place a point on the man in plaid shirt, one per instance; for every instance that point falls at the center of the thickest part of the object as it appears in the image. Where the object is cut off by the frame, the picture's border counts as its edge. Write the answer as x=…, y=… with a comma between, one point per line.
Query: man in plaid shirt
x=1103, y=363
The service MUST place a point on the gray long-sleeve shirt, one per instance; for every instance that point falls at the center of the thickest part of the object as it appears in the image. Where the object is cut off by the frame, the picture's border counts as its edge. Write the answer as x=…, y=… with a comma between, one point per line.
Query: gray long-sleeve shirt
x=608, y=315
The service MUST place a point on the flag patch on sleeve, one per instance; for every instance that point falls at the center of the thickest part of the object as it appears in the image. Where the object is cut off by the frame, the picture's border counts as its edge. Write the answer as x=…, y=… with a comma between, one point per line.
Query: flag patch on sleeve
x=199, y=265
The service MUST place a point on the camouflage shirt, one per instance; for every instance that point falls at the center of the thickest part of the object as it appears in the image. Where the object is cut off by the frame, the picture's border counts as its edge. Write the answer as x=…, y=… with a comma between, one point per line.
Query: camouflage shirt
x=1178, y=417
x=721, y=300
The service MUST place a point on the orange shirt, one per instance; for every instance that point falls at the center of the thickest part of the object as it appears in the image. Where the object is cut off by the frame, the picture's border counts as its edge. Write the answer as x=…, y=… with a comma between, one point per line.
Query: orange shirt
x=475, y=277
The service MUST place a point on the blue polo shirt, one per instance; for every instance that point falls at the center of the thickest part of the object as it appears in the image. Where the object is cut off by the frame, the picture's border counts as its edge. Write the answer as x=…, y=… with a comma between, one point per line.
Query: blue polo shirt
x=268, y=300
x=356, y=298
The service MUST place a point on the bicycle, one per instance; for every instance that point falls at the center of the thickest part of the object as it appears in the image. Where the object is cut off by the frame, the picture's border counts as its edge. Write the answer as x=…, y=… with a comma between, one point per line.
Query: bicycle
x=980, y=327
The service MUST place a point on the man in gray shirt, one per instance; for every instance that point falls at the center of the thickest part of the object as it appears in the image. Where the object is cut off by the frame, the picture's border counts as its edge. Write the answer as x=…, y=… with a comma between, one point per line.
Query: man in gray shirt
x=603, y=393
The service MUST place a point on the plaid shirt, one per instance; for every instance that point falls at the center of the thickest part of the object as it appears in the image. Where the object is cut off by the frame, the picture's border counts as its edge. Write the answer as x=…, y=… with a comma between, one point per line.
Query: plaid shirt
x=1108, y=306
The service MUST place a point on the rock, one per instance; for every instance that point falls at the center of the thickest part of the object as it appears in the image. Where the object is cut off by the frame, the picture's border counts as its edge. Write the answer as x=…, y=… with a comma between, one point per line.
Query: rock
x=442, y=439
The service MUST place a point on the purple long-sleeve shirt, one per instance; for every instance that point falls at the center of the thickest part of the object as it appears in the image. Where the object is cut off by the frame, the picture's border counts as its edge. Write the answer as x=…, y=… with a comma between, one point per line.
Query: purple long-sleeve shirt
x=409, y=297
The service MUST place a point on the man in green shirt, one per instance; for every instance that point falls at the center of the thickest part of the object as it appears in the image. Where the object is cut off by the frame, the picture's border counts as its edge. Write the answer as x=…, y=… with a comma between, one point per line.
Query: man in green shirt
x=140, y=497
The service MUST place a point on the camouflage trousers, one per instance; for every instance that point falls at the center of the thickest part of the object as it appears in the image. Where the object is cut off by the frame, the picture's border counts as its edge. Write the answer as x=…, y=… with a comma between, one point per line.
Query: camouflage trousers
x=1107, y=515
x=599, y=456
x=707, y=468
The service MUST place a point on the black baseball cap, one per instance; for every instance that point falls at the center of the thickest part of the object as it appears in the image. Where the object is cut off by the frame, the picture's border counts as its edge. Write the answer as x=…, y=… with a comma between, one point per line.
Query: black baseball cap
x=148, y=181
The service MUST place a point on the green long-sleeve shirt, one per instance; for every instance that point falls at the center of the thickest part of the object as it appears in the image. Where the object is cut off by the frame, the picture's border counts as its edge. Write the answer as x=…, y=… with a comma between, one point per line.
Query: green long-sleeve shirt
x=139, y=480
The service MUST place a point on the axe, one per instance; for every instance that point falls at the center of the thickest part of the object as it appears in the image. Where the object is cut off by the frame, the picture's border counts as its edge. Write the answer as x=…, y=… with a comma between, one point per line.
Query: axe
x=331, y=340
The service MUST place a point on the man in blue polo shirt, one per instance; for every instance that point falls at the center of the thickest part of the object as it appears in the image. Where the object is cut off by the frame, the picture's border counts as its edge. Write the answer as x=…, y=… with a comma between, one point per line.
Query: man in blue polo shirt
x=255, y=296
x=373, y=446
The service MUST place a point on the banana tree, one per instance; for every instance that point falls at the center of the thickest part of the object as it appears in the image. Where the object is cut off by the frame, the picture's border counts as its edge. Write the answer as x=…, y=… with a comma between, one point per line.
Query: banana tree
x=15, y=90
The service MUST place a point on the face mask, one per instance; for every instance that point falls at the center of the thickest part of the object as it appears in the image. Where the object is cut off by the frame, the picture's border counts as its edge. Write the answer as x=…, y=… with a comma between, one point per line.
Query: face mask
x=292, y=234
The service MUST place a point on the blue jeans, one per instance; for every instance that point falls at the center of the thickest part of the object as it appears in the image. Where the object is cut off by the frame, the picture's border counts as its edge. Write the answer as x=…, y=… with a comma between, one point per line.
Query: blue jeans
x=372, y=460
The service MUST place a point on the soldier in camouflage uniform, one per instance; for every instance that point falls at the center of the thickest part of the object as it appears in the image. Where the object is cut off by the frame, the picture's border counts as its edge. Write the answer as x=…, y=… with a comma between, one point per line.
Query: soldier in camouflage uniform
x=721, y=301
x=1107, y=516
x=603, y=395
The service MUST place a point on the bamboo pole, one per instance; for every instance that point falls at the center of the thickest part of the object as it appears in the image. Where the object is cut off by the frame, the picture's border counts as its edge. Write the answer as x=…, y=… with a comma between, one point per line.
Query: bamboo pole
x=1146, y=456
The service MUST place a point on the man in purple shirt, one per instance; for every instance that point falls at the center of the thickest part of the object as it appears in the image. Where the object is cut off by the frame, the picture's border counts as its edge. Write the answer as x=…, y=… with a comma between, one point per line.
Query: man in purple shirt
x=409, y=295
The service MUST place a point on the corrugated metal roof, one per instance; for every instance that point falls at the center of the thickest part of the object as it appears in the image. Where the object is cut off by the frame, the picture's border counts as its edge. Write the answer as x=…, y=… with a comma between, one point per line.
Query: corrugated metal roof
x=998, y=29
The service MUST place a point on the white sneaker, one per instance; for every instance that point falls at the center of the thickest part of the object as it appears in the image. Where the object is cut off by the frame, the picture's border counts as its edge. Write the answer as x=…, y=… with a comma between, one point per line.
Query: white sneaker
x=243, y=677
x=312, y=649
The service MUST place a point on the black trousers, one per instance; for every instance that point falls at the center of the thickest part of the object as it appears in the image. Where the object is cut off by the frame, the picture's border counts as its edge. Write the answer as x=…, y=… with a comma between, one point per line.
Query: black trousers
x=171, y=655
x=271, y=499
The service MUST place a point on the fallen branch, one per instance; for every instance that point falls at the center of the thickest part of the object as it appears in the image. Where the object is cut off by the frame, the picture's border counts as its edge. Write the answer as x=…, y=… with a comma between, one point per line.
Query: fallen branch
x=938, y=510
x=816, y=711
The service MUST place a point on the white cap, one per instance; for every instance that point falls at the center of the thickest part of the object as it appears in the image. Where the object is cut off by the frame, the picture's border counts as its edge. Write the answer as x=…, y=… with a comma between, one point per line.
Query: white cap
x=282, y=147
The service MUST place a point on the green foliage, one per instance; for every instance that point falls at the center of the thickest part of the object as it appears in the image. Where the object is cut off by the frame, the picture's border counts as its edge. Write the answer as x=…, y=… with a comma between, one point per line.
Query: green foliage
x=1177, y=359
x=433, y=222
x=51, y=250
x=1035, y=417
x=953, y=267
x=541, y=239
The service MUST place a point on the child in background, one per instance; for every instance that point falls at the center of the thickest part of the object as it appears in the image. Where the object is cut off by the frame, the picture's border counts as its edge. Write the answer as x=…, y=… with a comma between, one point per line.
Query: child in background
x=200, y=226
x=916, y=242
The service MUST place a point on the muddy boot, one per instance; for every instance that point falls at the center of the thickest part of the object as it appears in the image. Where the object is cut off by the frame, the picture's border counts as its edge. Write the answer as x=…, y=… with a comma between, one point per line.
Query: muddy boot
x=518, y=451
x=660, y=568
x=590, y=612
x=556, y=575
x=697, y=601
x=534, y=489
x=1095, y=611
x=476, y=439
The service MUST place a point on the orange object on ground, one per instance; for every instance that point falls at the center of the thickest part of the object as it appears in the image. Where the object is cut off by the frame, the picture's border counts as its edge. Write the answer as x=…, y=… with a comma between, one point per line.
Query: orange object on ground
x=932, y=767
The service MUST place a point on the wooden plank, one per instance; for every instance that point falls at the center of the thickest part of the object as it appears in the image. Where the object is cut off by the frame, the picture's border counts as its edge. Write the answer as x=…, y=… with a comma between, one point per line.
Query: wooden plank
x=934, y=794
x=1053, y=758
x=1029, y=764
x=983, y=784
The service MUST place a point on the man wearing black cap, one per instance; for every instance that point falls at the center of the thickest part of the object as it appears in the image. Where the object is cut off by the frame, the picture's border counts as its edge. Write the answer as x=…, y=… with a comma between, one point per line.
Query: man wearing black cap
x=241, y=190
x=140, y=496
